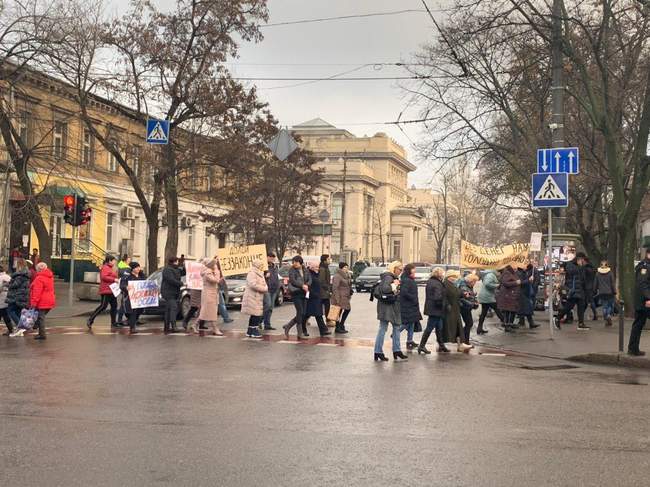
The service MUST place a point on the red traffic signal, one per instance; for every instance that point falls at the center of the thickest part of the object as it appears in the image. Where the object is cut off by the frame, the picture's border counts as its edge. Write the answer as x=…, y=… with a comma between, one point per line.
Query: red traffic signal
x=68, y=200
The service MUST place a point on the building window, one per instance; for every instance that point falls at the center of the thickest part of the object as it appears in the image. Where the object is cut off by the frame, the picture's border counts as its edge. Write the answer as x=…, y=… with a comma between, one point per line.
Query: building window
x=24, y=129
x=112, y=162
x=206, y=244
x=88, y=153
x=132, y=230
x=59, y=139
x=190, y=240
x=337, y=207
x=136, y=166
x=429, y=233
x=110, y=230
x=222, y=241
x=397, y=249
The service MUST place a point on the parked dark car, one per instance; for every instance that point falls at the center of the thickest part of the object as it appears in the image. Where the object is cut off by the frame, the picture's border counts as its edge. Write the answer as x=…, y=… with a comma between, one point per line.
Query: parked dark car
x=184, y=307
x=368, y=278
x=358, y=268
x=237, y=286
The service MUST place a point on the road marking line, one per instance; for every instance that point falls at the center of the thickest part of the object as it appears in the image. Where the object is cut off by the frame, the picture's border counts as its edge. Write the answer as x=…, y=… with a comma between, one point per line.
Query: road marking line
x=73, y=333
x=290, y=342
x=489, y=354
x=327, y=345
x=213, y=336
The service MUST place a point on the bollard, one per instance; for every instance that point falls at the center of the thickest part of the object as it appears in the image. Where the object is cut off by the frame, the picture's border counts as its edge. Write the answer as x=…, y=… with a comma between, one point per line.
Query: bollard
x=621, y=326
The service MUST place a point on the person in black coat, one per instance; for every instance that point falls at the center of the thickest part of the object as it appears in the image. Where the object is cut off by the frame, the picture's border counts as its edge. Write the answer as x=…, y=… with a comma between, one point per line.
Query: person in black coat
x=18, y=291
x=526, y=296
x=434, y=307
x=590, y=285
x=299, y=284
x=409, y=304
x=133, y=274
x=314, y=302
x=641, y=304
x=575, y=284
x=170, y=291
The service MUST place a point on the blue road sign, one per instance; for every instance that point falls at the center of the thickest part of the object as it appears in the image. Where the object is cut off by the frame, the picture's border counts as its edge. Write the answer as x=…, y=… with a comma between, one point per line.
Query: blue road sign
x=550, y=190
x=558, y=160
x=157, y=131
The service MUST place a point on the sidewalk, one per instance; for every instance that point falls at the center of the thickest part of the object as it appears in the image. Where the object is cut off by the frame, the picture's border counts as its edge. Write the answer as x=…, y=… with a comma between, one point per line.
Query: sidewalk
x=598, y=345
x=63, y=309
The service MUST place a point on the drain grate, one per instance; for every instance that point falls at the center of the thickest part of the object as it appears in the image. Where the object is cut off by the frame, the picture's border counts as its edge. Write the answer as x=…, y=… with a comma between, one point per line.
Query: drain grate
x=549, y=367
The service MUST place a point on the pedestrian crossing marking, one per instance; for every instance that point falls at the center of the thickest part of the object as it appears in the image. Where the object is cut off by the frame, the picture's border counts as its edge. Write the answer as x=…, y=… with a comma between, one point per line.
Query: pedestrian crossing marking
x=157, y=133
x=327, y=345
x=550, y=191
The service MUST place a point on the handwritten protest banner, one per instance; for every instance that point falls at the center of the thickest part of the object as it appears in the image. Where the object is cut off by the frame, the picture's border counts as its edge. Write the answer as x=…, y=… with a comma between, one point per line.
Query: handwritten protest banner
x=143, y=294
x=477, y=257
x=193, y=279
x=238, y=260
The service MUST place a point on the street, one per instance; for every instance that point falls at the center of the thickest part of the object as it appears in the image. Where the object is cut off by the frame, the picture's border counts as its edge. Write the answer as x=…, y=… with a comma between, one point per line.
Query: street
x=116, y=410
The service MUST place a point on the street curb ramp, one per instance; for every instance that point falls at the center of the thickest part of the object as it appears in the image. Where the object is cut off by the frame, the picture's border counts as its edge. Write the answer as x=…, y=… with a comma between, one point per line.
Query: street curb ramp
x=617, y=359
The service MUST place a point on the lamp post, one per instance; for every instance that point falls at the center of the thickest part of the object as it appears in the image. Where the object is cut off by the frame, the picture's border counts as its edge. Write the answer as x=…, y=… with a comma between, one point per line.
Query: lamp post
x=324, y=217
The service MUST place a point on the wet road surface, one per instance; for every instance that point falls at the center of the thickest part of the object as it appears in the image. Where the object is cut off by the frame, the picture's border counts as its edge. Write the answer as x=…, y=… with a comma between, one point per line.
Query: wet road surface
x=82, y=410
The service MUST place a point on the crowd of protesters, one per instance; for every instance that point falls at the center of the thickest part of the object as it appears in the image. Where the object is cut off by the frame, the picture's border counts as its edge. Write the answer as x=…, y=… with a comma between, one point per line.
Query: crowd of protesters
x=27, y=295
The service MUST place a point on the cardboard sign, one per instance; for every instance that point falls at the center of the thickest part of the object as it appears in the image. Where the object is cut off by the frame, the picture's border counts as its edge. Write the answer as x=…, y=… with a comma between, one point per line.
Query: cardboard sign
x=535, y=242
x=477, y=257
x=115, y=289
x=143, y=294
x=193, y=279
x=238, y=260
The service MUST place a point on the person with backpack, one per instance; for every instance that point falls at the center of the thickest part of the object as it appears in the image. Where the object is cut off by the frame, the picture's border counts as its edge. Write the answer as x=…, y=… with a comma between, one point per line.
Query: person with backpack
x=18, y=291
x=605, y=291
x=409, y=304
x=387, y=291
x=299, y=283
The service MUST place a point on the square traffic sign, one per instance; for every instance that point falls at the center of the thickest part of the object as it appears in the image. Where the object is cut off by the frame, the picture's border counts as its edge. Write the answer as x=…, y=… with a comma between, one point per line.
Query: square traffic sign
x=550, y=190
x=157, y=131
x=561, y=159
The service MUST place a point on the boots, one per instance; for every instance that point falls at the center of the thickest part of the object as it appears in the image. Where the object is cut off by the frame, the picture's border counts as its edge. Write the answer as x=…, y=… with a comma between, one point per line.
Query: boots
x=423, y=341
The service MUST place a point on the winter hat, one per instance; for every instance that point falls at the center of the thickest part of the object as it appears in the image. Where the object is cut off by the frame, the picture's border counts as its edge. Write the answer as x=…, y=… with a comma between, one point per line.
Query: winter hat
x=452, y=273
x=133, y=265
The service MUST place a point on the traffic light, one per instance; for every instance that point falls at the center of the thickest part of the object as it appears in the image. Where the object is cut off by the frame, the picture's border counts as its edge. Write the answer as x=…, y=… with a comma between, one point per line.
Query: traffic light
x=69, y=208
x=76, y=210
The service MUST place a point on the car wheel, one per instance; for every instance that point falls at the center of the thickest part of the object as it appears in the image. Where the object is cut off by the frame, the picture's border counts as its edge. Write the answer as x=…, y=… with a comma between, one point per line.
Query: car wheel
x=280, y=299
x=184, y=308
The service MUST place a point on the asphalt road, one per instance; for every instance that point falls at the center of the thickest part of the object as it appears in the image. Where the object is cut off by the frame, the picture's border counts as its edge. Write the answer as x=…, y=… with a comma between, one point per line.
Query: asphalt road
x=114, y=410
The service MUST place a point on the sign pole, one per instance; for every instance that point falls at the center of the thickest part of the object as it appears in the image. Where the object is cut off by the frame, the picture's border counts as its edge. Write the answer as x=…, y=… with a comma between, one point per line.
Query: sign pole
x=550, y=270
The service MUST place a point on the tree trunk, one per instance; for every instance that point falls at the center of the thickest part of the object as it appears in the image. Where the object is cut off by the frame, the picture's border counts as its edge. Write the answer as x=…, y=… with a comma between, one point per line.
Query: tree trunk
x=171, y=198
x=152, y=243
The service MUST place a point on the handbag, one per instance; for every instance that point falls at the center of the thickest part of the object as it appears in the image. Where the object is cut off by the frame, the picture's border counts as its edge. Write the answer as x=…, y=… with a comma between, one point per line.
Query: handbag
x=28, y=318
x=334, y=313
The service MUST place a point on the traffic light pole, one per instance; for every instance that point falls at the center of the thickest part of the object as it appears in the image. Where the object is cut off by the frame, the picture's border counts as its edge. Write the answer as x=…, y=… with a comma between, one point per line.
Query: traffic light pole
x=72, y=239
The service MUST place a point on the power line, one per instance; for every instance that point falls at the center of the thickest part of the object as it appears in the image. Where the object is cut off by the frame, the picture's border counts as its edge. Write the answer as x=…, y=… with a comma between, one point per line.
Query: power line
x=343, y=17
x=460, y=63
x=360, y=78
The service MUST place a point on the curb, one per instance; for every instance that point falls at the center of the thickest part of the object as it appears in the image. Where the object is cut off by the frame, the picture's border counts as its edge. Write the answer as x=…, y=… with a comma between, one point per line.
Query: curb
x=617, y=359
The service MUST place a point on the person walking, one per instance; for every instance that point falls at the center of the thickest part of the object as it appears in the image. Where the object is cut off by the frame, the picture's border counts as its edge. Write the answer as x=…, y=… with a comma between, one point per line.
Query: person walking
x=341, y=295
x=574, y=280
x=325, y=281
x=210, y=295
x=388, y=311
x=4, y=288
x=252, y=303
x=134, y=273
x=42, y=297
x=507, y=296
x=590, y=284
x=299, y=282
x=409, y=304
x=526, y=292
x=605, y=291
x=641, y=304
x=18, y=291
x=107, y=276
x=488, y=300
x=170, y=291
x=314, y=305
x=273, y=283
x=468, y=303
x=435, y=306
x=453, y=324
x=223, y=296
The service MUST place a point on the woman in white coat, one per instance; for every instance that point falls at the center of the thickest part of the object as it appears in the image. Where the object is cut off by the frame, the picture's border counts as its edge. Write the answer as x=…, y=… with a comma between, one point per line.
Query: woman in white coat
x=210, y=296
x=252, y=303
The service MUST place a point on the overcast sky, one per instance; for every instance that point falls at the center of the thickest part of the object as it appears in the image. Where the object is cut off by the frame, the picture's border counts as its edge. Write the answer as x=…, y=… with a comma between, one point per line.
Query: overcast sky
x=338, y=46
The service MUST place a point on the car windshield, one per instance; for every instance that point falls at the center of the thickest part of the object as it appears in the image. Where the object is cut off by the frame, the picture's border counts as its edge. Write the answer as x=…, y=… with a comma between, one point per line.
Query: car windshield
x=373, y=271
x=422, y=270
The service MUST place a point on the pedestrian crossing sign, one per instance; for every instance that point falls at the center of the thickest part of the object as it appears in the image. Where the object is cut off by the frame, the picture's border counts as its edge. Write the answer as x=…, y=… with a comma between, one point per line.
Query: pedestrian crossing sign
x=550, y=190
x=157, y=131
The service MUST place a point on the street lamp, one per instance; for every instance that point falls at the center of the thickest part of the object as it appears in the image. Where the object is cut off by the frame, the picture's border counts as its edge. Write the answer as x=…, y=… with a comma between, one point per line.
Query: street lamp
x=324, y=217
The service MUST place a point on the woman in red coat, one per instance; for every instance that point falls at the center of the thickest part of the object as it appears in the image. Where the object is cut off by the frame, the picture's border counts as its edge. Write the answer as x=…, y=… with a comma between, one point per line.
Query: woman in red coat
x=107, y=276
x=41, y=296
x=508, y=297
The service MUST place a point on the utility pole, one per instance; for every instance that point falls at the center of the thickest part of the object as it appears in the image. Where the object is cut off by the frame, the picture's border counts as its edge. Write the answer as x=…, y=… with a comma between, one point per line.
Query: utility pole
x=344, y=159
x=72, y=239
